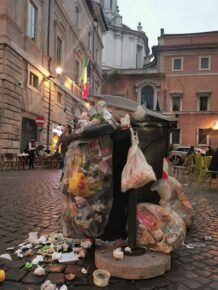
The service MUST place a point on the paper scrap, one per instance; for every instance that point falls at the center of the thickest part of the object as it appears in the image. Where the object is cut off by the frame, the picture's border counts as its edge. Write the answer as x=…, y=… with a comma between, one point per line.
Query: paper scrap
x=68, y=257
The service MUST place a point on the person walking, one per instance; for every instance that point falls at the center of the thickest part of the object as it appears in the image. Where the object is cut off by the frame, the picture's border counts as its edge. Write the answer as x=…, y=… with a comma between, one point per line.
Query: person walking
x=64, y=143
x=31, y=151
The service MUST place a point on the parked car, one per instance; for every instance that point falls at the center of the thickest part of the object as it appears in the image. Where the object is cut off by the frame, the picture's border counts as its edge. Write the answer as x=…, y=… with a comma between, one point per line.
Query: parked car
x=178, y=154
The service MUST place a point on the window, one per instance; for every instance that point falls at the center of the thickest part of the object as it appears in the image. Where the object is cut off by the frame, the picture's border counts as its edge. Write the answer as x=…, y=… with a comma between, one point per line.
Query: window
x=177, y=64
x=203, y=103
x=89, y=40
x=58, y=50
x=176, y=103
x=33, y=80
x=176, y=136
x=204, y=63
x=77, y=17
x=60, y=98
x=32, y=20
x=147, y=97
x=202, y=137
x=77, y=72
x=111, y=4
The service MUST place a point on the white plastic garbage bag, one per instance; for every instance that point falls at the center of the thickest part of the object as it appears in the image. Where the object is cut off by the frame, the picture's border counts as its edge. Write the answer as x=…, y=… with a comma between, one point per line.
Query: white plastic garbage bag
x=137, y=172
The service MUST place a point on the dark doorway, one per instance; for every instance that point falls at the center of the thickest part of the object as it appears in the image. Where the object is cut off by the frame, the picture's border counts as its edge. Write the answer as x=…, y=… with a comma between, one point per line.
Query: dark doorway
x=29, y=131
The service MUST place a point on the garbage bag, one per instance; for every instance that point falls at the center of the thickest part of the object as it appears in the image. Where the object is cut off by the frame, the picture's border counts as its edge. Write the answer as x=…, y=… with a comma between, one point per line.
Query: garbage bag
x=137, y=172
x=172, y=196
x=160, y=229
x=87, y=188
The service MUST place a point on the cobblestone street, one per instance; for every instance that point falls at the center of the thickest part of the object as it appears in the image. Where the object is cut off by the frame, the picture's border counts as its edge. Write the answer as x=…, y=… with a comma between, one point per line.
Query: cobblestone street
x=30, y=201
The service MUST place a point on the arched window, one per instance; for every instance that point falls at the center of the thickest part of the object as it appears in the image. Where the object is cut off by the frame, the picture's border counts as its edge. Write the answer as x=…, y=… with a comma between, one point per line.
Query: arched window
x=147, y=97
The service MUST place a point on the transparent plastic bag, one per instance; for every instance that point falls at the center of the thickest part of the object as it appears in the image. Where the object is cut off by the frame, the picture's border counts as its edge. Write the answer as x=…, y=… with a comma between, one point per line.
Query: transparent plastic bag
x=137, y=172
x=87, y=188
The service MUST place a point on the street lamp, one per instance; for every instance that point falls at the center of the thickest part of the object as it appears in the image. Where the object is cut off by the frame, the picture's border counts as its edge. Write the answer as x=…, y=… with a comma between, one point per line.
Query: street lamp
x=58, y=71
x=215, y=125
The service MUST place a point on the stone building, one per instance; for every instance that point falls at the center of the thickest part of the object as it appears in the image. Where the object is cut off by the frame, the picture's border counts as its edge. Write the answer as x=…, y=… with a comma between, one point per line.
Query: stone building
x=124, y=48
x=37, y=36
x=180, y=80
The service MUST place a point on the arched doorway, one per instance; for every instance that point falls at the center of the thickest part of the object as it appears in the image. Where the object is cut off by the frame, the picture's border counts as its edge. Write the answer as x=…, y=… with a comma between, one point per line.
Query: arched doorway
x=147, y=97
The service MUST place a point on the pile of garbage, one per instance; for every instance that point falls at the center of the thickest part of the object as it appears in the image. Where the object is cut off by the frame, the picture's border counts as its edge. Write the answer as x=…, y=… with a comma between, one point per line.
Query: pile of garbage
x=53, y=248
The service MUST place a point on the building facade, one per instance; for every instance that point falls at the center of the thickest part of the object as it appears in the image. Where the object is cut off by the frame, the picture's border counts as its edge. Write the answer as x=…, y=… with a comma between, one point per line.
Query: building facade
x=36, y=37
x=181, y=80
x=124, y=48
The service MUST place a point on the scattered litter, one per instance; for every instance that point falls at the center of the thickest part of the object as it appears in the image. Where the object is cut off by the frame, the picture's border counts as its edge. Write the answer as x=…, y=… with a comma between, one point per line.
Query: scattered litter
x=28, y=265
x=33, y=237
x=86, y=244
x=118, y=253
x=128, y=250
x=42, y=240
x=70, y=277
x=10, y=249
x=68, y=257
x=208, y=238
x=64, y=287
x=56, y=256
x=37, y=259
x=29, y=253
x=84, y=271
x=47, y=285
x=195, y=245
x=40, y=271
x=2, y=276
x=101, y=278
x=6, y=256
x=19, y=253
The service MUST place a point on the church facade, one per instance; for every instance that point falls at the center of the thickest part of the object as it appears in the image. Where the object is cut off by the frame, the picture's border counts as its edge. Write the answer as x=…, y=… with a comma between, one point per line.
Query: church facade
x=124, y=48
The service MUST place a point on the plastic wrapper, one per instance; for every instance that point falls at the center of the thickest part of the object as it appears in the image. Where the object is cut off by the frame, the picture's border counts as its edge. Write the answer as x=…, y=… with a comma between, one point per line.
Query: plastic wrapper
x=172, y=196
x=160, y=229
x=137, y=172
x=87, y=188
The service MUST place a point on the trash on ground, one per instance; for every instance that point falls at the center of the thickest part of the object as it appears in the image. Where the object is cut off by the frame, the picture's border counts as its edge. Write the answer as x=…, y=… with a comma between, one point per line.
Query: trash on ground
x=101, y=278
x=56, y=256
x=128, y=250
x=6, y=256
x=208, y=238
x=2, y=276
x=47, y=285
x=28, y=265
x=37, y=259
x=70, y=277
x=68, y=257
x=33, y=237
x=118, y=253
x=10, y=249
x=64, y=287
x=84, y=271
x=194, y=245
x=86, y=244
x=39, y=271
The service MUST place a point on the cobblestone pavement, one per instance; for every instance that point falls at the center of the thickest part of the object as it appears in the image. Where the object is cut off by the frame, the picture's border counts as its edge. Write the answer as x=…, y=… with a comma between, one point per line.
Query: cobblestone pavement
x=30, y=201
